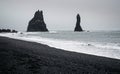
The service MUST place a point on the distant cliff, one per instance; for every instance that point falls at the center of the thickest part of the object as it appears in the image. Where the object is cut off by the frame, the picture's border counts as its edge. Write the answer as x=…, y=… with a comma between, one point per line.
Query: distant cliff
x=78, y=27
x=37, y=23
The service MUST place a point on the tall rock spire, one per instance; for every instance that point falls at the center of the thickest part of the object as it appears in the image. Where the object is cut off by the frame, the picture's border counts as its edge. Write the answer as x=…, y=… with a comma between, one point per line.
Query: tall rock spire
x=37, y=23
x=78, y=27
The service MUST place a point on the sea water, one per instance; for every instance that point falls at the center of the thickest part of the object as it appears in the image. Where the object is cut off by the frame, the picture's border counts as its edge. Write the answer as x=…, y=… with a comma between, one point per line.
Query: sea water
x=99, y=43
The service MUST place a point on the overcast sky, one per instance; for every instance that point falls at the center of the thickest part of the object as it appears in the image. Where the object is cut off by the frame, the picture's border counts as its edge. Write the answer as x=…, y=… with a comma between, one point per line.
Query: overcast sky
x=61, y=14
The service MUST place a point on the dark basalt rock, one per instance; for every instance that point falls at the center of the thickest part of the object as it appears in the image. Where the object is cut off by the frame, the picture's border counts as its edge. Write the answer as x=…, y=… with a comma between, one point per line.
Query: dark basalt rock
x=7, y=31
x=78, y=27
x=37, y=23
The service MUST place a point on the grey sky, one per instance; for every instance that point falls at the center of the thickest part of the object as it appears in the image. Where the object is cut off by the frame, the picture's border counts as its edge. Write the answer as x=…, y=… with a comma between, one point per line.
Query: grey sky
x=61, y=14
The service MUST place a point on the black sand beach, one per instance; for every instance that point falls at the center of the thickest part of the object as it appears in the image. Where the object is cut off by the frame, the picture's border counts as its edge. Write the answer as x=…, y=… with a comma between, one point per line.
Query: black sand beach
x=21, y=57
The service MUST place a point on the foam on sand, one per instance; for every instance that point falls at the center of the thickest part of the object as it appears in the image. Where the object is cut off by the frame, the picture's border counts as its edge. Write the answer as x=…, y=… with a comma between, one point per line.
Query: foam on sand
x=107, y=50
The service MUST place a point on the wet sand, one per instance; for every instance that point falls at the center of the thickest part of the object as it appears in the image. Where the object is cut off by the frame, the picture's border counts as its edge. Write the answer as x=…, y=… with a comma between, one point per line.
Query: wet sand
x=22, y=57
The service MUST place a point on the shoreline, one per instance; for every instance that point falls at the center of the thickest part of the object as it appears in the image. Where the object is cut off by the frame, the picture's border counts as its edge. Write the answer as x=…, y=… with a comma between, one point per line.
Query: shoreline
x=19, y=56
x=72, y=46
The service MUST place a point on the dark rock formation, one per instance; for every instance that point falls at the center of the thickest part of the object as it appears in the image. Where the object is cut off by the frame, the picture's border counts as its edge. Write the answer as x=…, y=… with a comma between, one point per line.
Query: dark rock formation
x=7, y=31
x=78, y=27
x=37, y=23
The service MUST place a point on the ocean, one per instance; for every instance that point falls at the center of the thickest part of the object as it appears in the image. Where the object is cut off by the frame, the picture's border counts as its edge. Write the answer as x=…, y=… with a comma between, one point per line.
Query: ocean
x=99, y=43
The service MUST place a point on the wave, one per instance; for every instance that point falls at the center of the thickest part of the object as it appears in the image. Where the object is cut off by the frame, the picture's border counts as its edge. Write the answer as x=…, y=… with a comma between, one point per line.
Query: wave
x=107, y=45
x=111, y=50
x=53, y=32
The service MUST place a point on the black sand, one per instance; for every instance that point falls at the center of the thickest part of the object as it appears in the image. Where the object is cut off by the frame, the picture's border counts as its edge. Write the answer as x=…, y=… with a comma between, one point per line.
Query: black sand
x=21, y=57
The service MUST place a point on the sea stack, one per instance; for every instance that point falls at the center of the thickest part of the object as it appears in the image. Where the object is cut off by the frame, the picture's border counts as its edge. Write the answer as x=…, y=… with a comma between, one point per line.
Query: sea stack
x=37, y=23
x=78, y=27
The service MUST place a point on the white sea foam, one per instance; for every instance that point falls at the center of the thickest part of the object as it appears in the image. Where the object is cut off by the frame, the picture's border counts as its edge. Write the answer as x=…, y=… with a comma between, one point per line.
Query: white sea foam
x=106, y=50
x=53, y=32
